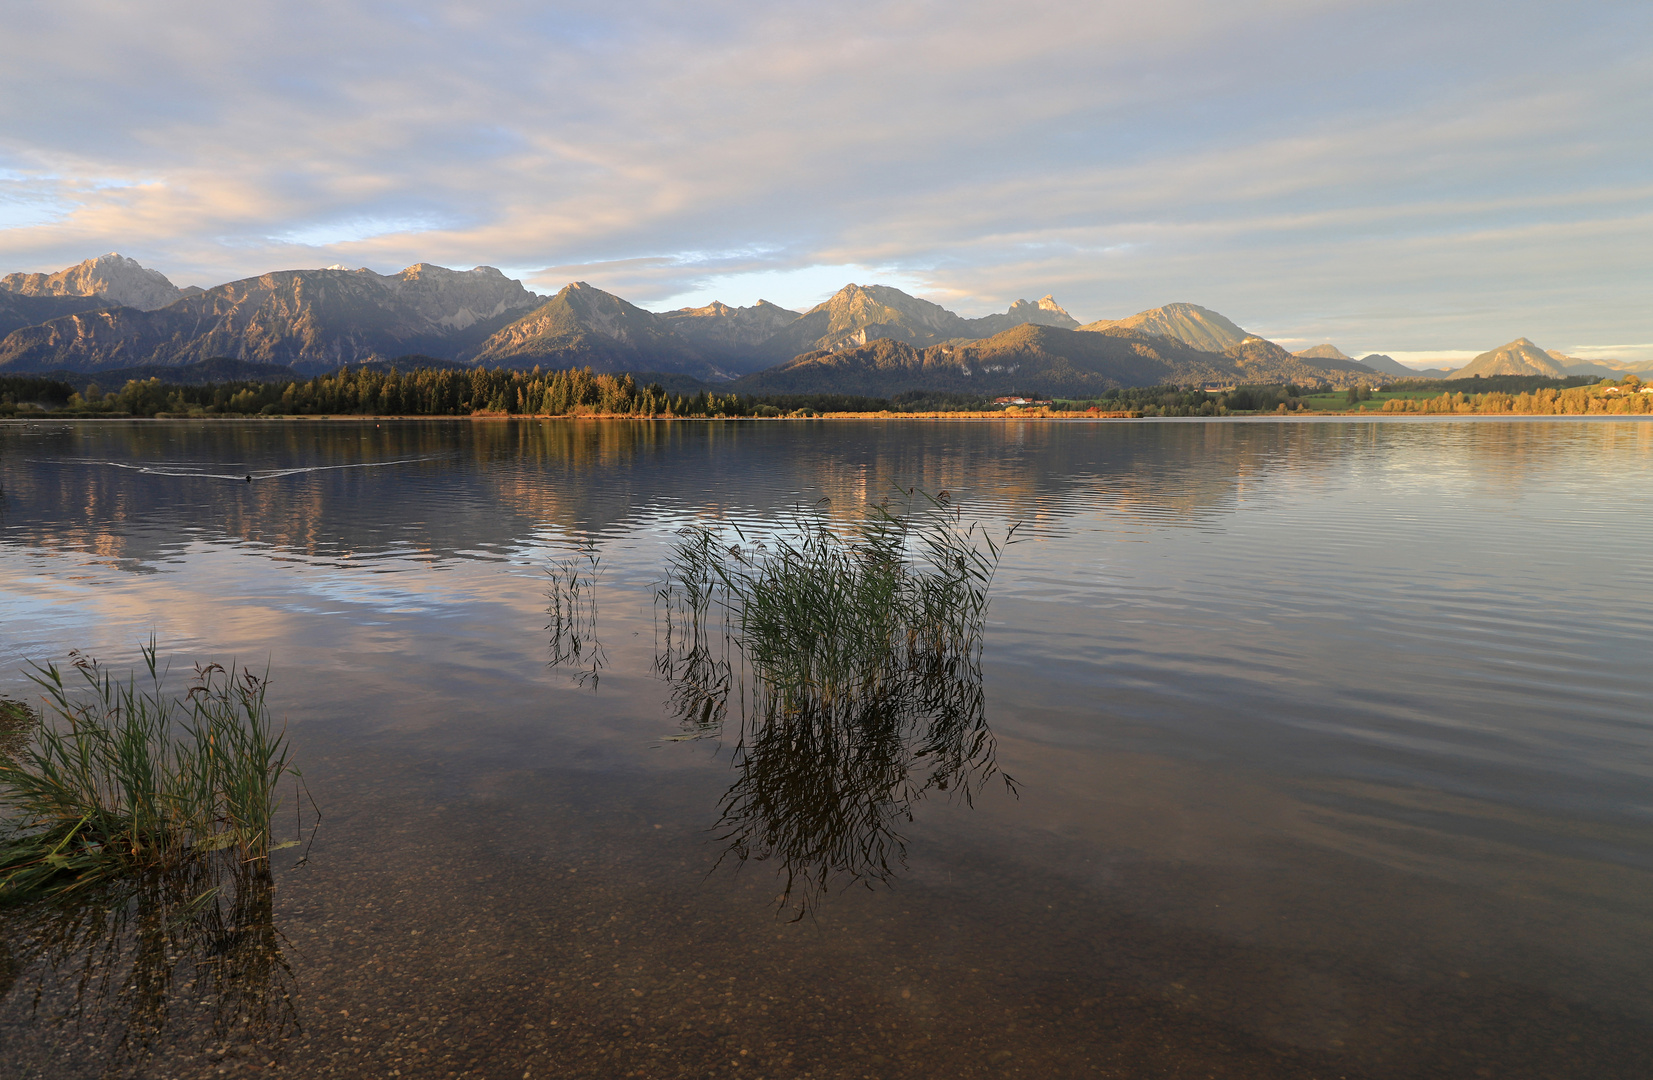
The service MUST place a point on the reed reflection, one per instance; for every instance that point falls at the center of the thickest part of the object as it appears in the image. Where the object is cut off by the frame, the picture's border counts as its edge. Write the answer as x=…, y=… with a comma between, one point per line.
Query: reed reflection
x=851, y=660
x=572, y=608
x=194, y=948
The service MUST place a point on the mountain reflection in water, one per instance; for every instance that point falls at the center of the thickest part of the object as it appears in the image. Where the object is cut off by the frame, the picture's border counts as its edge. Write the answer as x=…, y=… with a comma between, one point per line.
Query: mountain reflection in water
x=330, y=491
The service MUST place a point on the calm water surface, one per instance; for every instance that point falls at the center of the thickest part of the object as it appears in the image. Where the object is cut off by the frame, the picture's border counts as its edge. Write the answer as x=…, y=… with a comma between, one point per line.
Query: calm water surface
x=1333, y=739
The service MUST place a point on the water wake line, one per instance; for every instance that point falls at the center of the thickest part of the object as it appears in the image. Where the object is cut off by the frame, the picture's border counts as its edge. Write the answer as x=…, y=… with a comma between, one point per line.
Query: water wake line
x=267, y=474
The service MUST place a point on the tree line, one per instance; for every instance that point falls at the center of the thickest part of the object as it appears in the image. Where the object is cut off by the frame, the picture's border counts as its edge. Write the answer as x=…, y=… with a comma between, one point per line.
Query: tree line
x=1623, y=397
x=570, y=392
x=1188, y=401
x=580, y=392
x=438, y=392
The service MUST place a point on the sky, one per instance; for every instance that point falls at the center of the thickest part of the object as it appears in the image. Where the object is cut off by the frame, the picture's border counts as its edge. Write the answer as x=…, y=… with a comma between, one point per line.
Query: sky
x=1420, y=179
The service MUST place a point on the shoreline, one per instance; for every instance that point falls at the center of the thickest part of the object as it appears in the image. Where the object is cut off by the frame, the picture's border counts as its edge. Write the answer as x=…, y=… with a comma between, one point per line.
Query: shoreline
x=1292, y=417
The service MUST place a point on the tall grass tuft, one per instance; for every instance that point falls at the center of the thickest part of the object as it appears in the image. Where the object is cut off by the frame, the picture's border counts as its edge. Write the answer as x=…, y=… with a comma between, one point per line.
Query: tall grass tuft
x=120, y=777
x=863, y=644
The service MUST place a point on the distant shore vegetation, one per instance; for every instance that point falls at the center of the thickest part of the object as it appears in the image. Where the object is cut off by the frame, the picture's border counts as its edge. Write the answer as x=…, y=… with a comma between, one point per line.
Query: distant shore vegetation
x=436, y=392
x=1624, y=396
x=579, y=392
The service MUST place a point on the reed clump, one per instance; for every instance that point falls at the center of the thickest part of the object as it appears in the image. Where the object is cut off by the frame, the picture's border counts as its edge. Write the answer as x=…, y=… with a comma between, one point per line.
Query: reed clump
x=120, y=777
x=863, y=645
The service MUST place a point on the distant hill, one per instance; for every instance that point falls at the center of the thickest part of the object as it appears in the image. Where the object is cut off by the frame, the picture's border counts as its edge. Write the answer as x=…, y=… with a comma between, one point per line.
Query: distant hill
x=1323, y=352
x=310, y=320
x=1610, y=369
x=1519, y=357
x=1039, y=359
x=122, y=282
x=1388, y=365
x=1190, y=324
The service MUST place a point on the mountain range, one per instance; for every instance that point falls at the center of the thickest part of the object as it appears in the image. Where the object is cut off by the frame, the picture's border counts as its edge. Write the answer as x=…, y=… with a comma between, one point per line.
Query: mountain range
x=111, y=313
x=1049, y=359
x=309, y=320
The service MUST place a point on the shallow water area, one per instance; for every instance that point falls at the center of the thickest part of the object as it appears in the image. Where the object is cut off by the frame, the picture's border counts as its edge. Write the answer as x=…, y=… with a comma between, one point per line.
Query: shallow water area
x=1331, y=738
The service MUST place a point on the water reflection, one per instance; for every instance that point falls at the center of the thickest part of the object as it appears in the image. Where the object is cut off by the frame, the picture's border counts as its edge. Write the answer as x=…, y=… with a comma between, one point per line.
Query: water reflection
x=854, y=676
x=195, y=948
x=141, y=495
x=1342, y=772
x=572, y=608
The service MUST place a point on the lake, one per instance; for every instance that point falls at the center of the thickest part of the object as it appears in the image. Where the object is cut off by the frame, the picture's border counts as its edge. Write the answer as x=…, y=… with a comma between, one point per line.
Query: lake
x=1332, y=747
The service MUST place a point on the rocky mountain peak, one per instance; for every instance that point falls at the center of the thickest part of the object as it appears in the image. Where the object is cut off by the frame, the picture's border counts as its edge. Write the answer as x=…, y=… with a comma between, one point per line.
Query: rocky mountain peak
x=1046, y=312
x=122, y=281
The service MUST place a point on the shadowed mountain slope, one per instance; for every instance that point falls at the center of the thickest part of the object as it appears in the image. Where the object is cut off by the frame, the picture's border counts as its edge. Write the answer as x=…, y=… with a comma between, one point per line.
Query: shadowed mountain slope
x=584, y=326
x=311, y=320
x=1259, y=360
x=18, y=310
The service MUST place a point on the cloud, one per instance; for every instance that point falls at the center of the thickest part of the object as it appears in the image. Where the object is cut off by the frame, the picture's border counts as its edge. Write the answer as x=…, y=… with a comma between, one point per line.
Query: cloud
x=1427, y=176
x=1628, y=353
x=326, y=234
